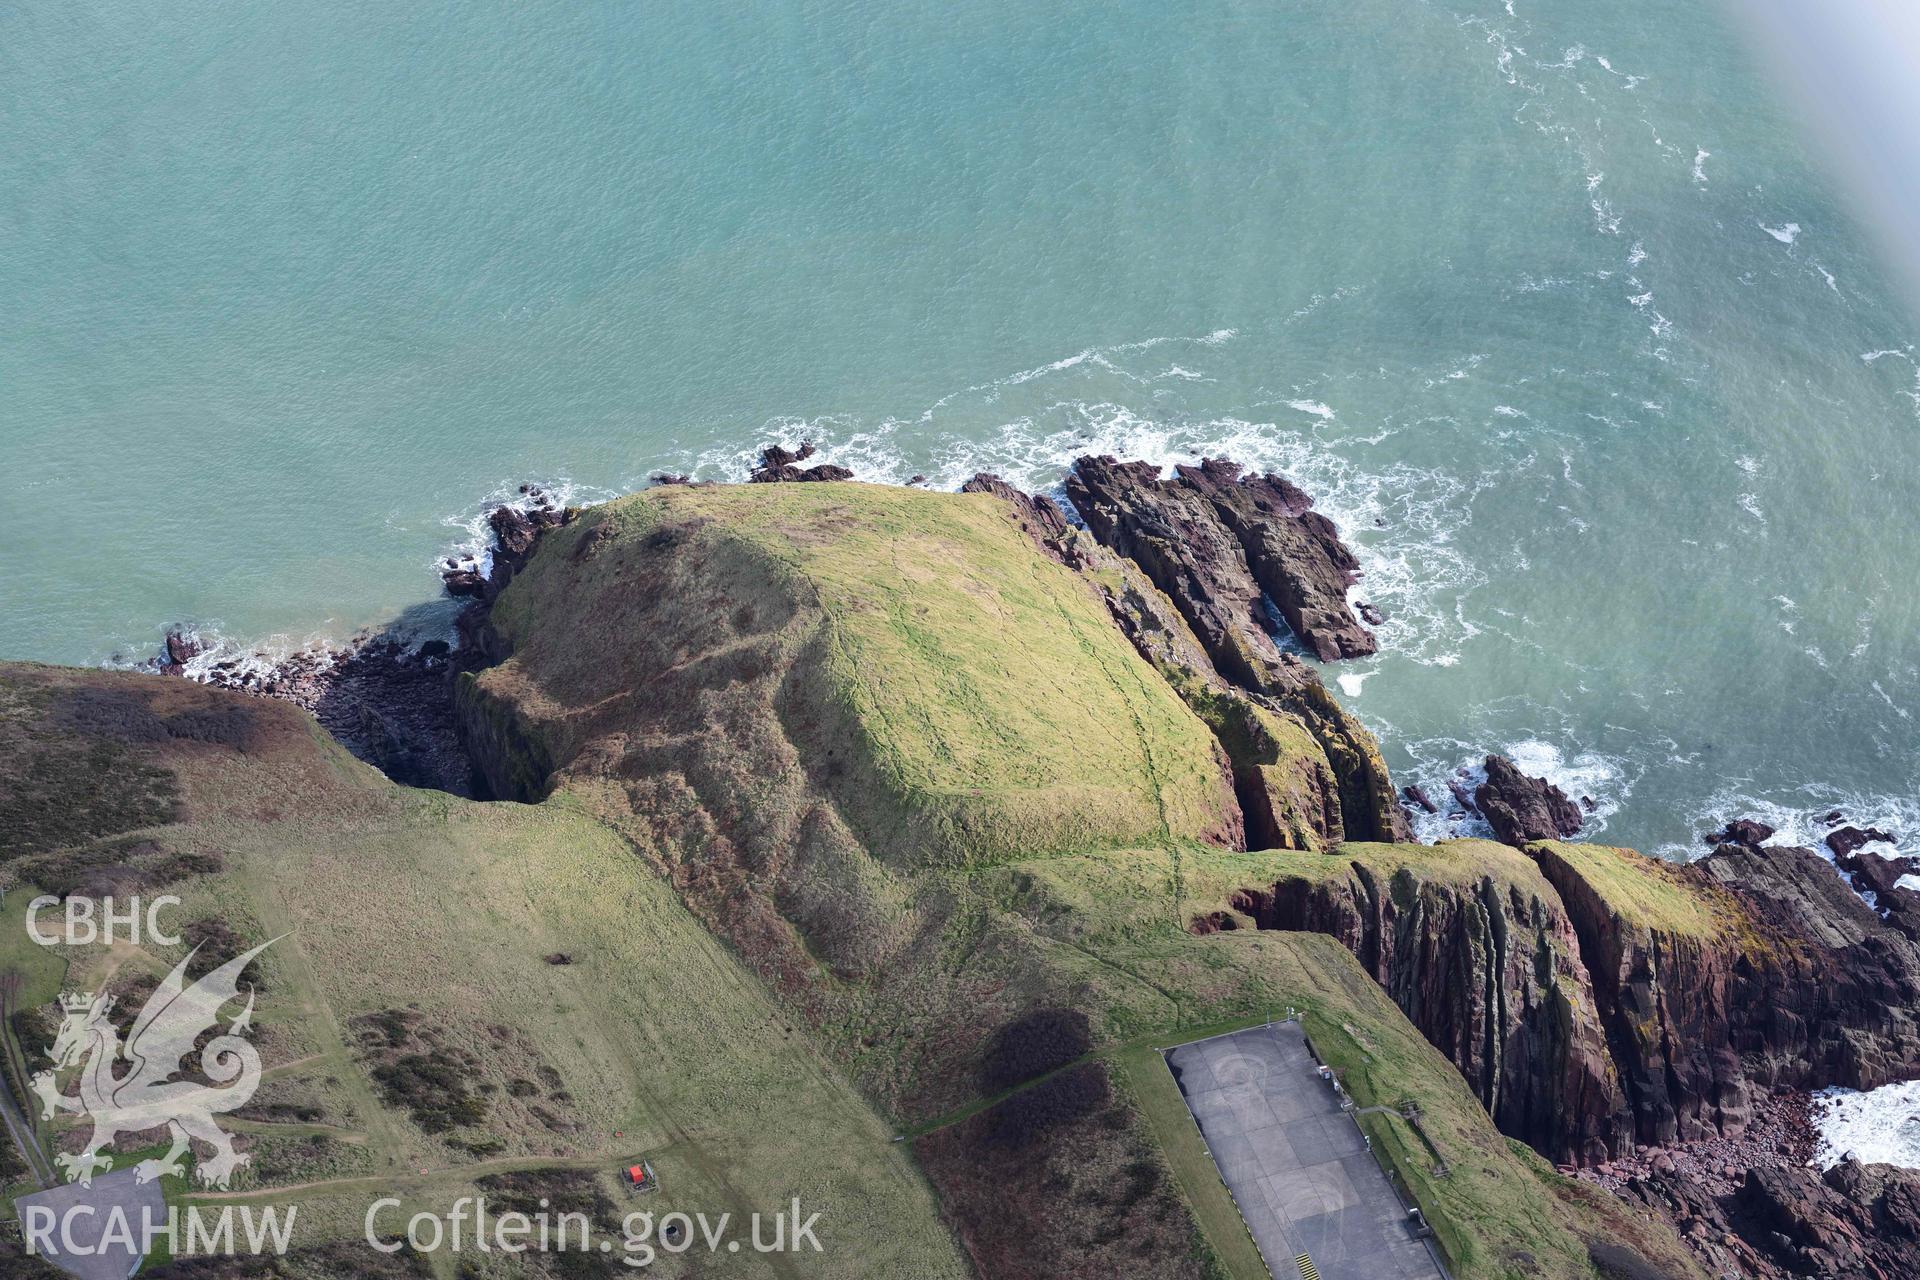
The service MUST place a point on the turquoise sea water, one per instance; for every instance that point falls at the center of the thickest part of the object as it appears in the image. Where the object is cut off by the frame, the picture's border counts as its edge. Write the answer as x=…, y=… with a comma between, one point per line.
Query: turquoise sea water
x=1554, y=308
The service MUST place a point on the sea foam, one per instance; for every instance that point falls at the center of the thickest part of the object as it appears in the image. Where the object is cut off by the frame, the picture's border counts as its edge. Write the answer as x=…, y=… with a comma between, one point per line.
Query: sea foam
x=1399, y=518
x=1879, y=1126
x=1584, y=775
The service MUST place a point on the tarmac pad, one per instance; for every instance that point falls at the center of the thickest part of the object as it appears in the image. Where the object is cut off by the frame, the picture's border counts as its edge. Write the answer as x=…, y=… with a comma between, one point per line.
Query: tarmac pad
x=1296, y=1163
x=94, y=1256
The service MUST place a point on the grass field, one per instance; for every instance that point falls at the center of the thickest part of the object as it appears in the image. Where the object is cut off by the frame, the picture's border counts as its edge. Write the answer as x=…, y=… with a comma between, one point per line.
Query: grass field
x=653, y=1030
x=652, y=1041
x=41, y=970
x=30, y=975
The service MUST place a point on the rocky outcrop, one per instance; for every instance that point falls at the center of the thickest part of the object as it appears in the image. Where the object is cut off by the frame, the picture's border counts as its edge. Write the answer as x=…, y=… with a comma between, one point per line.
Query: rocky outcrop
x=781, y=466
x=1522, y=809
x=1295, y=553
x=385, y=698
x=1625, y=1002
x=181, y=647
x=1748, y=831
x=1873, y=874
x=1289, y=795
x=1750, y=969
x=511, y=759
x=1035, y=511
x=516, y=531
x=1781, y=1132
x=388, y=699
x=1288, y=792
x=1851, y=839
x=1789, y=1222
x=1173, y=534
x=1221, y=546
x=1302, y=769
x=1844, y=974
x=1488, y=968
x=1191, y=537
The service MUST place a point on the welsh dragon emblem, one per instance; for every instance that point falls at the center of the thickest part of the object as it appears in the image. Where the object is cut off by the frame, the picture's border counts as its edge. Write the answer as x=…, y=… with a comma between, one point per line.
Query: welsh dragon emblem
x=146, y=1095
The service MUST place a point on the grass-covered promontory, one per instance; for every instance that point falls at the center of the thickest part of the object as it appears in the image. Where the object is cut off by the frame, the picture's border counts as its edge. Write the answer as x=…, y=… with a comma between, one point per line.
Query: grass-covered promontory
x=963, y=698
x=846, y=849
x=902, y=759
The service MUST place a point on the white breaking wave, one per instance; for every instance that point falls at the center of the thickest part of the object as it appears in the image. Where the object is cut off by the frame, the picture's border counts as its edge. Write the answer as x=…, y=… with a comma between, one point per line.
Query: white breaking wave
x=1399, y=518
x=1785, y=234
x=1880, y=1126
x=474, y=547
x=1802, y=822
x=221, y=654
x=1585, y=776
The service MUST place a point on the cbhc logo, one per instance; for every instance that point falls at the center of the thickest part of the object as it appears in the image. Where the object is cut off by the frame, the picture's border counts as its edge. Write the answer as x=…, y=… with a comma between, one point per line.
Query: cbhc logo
x=103, y=921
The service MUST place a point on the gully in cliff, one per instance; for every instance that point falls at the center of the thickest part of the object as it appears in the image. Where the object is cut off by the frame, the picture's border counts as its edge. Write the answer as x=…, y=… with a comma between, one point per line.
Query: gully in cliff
x=387, y=699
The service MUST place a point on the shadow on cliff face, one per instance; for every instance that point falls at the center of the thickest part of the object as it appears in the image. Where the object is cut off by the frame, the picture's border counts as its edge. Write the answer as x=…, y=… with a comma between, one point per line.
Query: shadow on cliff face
x=392, y=706
x=385, y=696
